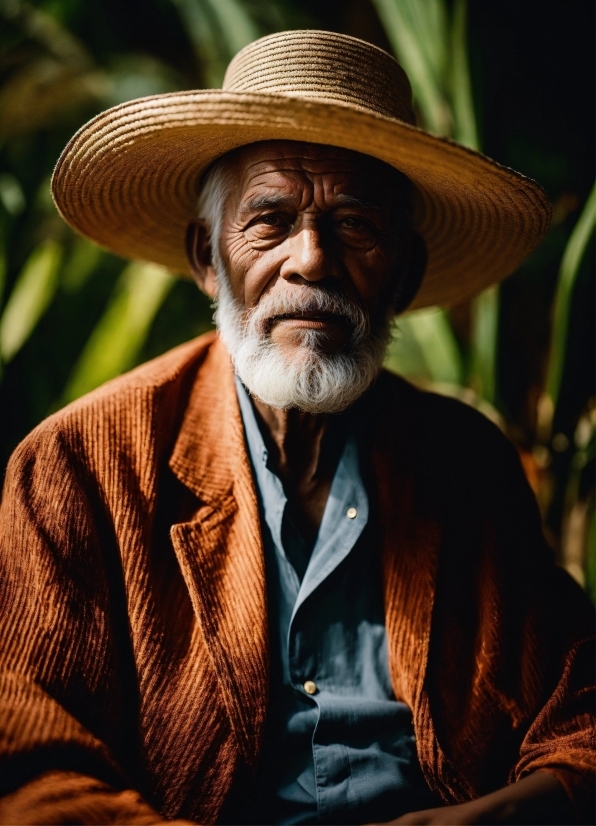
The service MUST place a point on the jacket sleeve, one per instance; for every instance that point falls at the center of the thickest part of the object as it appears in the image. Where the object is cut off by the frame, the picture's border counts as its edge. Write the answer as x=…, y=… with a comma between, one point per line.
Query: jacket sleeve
x=552, y=626
x=561, y=738
x=511, y=668
x=68, y=750
x=57, y=797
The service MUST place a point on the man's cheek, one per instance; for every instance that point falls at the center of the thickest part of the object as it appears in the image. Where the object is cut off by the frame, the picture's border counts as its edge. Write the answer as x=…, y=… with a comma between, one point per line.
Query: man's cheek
x=260, y=276
x=375, y=278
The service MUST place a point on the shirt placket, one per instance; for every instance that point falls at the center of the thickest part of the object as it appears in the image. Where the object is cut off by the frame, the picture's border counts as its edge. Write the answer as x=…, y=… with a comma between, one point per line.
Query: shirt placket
x=345, y=517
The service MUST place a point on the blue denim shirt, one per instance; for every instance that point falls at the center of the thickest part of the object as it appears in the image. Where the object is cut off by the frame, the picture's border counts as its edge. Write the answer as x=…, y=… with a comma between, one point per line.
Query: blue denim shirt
x=338, y=747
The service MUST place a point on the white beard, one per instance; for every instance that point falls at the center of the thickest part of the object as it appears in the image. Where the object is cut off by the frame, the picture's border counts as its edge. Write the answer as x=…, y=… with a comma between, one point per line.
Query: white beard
x=311, y=380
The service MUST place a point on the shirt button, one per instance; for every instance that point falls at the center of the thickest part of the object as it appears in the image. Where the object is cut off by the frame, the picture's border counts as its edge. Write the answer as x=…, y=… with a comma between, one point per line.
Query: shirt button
x=351, y=513
x=310, y=687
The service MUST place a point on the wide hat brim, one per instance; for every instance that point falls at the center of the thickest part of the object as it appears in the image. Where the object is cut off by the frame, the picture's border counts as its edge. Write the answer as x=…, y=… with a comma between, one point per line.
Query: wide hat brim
x=129, y=181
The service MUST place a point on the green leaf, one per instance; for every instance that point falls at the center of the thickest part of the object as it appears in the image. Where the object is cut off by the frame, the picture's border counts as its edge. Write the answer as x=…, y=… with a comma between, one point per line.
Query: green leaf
x=570, y=264
x=119, y=335
x=485, y=331
x=217, y=29
x=29, y=299
x=428, y=21
x=417, y=33
x=435, y=342
x=404, y=354
x=2, y=263
x=464, y=119
x=81, y=263
x=11, y=194
x=207, y=40
x=237, y=26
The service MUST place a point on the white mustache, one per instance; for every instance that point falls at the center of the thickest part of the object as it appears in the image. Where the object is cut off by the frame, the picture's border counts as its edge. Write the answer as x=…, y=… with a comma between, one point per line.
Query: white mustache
x=305, y=300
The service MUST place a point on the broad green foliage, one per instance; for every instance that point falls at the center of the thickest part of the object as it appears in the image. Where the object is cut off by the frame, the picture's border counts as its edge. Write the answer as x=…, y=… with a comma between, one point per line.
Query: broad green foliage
x=117, y=340
x=29, y=299
x=570, y=264
x=218, y=29
x=419, y=35
x=424, y=344
x=81, y=264
x=465, y=129
x=484, y=344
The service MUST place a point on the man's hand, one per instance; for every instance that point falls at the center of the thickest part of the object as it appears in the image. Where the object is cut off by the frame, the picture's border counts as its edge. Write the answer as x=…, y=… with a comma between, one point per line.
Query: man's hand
x=537, y=799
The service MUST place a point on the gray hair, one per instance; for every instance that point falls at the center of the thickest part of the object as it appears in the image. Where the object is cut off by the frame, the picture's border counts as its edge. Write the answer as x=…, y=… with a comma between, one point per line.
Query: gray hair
x=215, y=188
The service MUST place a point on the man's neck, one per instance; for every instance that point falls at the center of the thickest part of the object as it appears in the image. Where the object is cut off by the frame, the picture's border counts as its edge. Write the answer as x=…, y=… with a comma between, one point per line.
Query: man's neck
x=294, y=439
x=303, y=451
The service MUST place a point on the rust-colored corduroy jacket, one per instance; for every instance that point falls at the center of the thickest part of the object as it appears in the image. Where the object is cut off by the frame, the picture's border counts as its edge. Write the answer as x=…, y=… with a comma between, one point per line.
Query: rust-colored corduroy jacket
x=134, y=661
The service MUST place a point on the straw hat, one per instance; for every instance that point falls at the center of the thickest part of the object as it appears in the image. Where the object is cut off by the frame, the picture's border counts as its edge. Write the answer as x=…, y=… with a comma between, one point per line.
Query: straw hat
x=129, y=178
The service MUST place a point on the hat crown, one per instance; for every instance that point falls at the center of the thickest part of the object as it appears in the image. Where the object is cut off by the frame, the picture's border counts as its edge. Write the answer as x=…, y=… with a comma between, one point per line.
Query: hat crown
x=324, y=66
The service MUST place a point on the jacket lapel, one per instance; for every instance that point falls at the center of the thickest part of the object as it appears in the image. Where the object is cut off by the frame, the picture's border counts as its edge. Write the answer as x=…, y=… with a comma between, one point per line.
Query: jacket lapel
x=220, y=549
x=412, y=525
x=409, y=568
x=410, y=537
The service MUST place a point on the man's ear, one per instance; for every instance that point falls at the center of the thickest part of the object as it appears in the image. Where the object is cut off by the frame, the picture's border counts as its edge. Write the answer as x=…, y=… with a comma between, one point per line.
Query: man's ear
x=411, y=279
x=198, y=253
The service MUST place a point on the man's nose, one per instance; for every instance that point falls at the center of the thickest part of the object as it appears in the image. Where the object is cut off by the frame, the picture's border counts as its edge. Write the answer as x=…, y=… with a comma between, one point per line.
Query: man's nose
x=308, y=256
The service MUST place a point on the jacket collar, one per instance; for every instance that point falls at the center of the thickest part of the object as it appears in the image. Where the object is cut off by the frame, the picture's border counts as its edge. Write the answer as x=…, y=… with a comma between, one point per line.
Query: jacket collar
x=210, y=448
x=220, y=549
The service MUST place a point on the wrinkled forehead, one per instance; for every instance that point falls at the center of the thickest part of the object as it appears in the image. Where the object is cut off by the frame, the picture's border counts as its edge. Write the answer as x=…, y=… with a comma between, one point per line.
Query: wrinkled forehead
x=275, y=163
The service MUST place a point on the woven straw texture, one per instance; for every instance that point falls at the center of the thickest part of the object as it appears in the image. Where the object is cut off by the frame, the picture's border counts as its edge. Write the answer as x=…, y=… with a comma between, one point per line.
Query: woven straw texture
x=129, y=178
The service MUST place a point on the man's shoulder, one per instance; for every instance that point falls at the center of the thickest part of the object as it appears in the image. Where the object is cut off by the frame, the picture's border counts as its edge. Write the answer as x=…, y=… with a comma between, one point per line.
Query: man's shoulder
x=446, y=442
x=459, y=462
x=128, y=406
x=438, y=417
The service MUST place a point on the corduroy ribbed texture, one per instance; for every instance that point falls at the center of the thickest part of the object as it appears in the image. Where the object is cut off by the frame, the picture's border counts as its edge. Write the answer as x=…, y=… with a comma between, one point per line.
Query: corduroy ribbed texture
x=129, y=179
x=133, y=621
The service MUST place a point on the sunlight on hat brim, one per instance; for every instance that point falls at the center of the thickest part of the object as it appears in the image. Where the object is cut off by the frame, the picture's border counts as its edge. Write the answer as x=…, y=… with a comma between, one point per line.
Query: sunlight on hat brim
x=129, y=179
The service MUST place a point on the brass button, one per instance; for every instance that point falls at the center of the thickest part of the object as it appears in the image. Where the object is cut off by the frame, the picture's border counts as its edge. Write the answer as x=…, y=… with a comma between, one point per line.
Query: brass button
x=351, y=513
x=310, y=687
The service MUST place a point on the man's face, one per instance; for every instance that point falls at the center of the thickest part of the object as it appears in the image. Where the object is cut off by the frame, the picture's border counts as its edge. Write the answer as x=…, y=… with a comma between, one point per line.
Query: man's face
x=304, y=215
x=305, y=262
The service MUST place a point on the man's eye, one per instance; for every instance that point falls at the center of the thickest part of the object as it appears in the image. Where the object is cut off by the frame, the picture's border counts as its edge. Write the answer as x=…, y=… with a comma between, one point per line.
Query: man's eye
x=356, y=232
x=353, y=223
x=269, y=228
x=270, y=220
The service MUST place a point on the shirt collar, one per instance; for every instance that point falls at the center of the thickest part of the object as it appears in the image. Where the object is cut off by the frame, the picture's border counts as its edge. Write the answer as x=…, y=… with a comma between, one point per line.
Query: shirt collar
x=346, y=511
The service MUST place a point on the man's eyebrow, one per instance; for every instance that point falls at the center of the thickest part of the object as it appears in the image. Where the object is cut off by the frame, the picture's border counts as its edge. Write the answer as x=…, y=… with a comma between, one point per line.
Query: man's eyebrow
x=288, y=202
x=352, y=200
x=267, y=202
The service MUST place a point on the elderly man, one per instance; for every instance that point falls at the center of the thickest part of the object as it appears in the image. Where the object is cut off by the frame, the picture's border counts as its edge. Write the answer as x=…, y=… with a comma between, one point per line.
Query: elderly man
x=259, y=580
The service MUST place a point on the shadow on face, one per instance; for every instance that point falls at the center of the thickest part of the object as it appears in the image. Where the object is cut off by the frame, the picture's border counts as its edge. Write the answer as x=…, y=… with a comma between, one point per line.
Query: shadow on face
x=290, y=215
